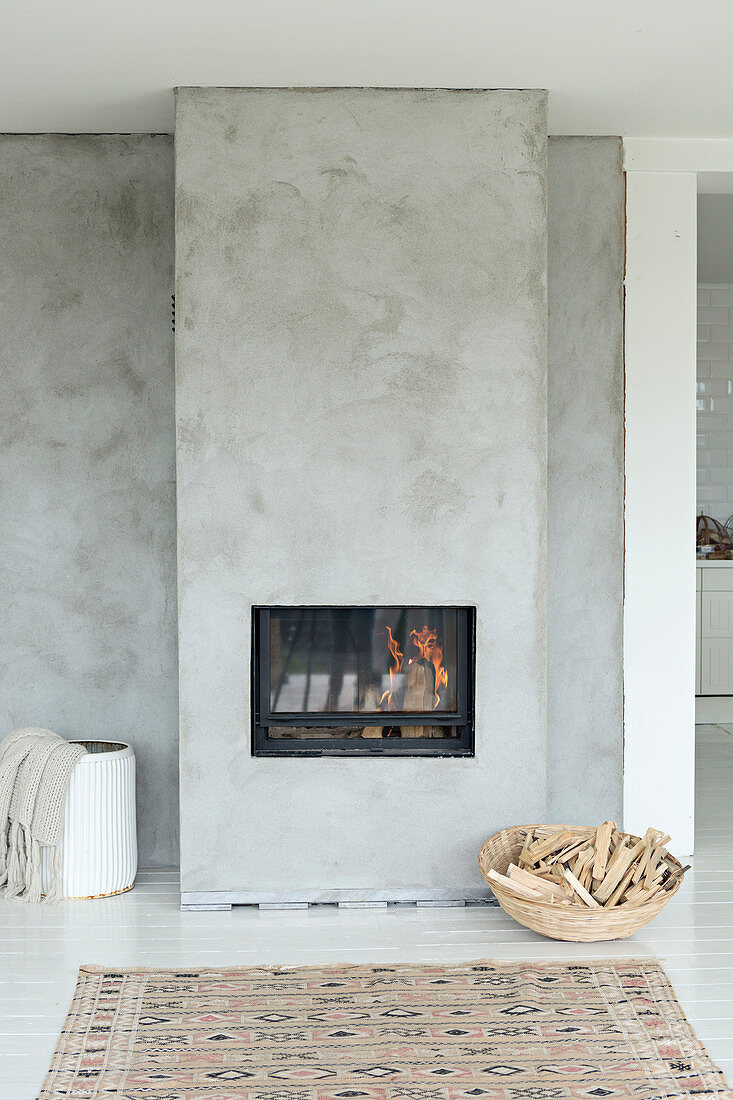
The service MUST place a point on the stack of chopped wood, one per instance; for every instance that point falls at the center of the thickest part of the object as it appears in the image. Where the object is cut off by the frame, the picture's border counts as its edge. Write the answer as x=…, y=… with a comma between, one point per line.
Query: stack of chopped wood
x=597, y=868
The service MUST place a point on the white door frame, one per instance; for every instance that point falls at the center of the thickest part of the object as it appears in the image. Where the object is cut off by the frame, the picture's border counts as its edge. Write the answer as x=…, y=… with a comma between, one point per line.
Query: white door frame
x=660, y=458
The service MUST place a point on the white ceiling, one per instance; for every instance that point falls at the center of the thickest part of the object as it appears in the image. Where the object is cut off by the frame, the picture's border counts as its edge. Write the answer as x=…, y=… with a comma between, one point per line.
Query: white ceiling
x=630, y=67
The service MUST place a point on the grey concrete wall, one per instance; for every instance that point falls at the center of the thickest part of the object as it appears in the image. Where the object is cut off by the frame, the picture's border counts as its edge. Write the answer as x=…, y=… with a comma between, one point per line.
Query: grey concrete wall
x=585, y=490
x=361, y=410
x=87, y=541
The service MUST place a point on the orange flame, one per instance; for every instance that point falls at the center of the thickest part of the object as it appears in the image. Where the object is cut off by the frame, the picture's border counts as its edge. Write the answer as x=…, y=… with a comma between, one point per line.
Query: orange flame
x=397, y=656
x=426, y=641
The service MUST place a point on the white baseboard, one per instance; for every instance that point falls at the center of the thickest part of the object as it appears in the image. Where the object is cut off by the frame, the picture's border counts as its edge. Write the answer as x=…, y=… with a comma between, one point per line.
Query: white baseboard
x=711, y=709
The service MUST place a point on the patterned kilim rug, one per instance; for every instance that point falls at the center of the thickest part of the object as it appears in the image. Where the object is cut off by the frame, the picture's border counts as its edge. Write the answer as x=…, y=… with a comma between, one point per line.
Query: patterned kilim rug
x=522, y=1031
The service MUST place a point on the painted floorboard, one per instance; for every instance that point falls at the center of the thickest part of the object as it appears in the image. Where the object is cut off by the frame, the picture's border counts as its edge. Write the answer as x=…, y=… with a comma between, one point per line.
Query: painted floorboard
x=41, y=948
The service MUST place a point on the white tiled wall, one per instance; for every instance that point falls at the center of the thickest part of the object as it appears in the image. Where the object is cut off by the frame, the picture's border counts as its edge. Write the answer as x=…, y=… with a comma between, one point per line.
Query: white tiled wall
x=715, y=399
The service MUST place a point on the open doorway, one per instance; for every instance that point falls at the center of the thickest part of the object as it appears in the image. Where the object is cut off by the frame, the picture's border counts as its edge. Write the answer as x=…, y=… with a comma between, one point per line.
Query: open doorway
x=714, y=454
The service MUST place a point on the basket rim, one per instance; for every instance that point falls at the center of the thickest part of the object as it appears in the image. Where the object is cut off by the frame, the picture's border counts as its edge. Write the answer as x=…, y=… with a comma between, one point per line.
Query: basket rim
x=575, y=912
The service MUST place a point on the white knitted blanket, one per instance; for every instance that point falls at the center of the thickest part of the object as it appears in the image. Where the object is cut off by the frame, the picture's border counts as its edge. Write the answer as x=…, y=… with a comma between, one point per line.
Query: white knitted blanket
x=35, y=769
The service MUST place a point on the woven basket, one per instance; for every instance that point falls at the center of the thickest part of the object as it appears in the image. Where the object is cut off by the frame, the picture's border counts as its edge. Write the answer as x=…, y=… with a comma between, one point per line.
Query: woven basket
x=710, y=532
x=572, y=922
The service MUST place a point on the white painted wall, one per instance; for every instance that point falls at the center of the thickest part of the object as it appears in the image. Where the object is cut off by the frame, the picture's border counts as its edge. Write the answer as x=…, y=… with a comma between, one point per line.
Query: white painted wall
x=659, y=606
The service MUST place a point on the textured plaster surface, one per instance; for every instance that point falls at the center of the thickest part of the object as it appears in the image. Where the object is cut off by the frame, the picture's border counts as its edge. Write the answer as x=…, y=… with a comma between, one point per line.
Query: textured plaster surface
x=585, y=491
x=87, y=546
x=361, y=416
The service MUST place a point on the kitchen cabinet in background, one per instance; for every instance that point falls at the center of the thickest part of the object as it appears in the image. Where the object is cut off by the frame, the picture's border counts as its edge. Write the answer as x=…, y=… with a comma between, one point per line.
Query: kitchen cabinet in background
x=714, y=641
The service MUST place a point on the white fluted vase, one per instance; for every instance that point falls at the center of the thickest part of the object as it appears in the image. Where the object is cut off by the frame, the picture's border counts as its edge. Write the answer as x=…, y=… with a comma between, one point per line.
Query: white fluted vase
x=99, y=849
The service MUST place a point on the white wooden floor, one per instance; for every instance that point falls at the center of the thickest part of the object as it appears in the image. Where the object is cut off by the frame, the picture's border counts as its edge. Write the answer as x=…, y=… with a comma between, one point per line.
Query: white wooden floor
x=41, y=947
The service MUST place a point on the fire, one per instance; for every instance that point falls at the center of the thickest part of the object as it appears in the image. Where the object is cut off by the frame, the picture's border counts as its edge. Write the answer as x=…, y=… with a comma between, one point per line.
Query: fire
x=426, y=641
x=397, y=656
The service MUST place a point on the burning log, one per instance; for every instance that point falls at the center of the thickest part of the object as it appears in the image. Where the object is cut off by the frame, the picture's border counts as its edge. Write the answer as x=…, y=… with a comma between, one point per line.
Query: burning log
x=424, y=677
x=368, y=704
x=419, y=694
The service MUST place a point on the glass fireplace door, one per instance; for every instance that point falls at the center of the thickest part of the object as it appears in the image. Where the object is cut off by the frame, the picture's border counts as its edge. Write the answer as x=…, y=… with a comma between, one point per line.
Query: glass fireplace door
x=351, y=679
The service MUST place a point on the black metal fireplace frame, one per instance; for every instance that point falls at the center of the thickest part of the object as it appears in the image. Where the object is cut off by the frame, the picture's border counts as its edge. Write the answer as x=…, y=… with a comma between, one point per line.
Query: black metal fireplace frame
x=462, y=718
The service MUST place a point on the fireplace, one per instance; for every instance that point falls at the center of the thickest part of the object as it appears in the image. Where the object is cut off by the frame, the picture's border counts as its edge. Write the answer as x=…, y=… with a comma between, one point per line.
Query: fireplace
x=363, y=681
